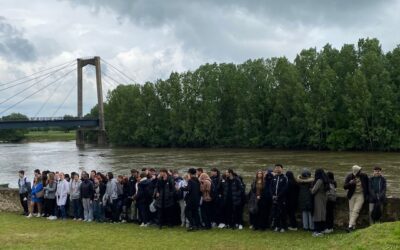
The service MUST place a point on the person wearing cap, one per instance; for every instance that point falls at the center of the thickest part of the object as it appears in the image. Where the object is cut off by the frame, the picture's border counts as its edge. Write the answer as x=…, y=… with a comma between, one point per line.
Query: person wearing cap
x=356, y=184
x=377, y=194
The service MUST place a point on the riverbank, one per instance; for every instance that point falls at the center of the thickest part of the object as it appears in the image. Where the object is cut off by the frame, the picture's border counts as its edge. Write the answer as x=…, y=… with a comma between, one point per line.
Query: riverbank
x=47, y=136
x=18, y=232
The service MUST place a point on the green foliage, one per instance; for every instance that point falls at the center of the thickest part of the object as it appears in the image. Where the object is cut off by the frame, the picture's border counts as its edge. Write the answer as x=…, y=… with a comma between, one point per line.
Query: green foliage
x=345, y=99
x=13, y=135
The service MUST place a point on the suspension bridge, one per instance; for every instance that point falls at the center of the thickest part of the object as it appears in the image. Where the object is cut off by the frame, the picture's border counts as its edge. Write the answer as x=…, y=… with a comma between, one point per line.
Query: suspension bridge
x=53, y=81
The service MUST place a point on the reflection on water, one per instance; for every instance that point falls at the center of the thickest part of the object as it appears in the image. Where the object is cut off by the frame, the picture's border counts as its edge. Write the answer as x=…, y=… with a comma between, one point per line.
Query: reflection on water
x=65, y=156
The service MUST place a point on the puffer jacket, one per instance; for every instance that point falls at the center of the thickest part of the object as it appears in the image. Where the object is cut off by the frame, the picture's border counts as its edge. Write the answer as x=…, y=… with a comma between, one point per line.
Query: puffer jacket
x=166, y=191
x=305, y=202
x=233, y=191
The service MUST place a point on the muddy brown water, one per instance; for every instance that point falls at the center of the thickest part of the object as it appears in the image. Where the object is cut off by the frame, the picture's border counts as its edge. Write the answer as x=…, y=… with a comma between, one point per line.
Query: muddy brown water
x=65, y=156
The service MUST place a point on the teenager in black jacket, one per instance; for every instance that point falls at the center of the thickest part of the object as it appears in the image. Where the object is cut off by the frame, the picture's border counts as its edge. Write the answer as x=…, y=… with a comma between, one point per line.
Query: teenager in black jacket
x=278, y=191
x=192, y=199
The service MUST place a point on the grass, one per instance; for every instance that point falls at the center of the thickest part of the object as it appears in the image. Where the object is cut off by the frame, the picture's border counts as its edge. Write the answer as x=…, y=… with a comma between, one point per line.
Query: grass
x=43, y=136
x=18, y=232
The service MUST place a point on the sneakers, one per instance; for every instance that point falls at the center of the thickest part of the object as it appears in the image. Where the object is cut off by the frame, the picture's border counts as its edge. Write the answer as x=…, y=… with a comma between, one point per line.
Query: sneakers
x=276, y=229
x=316, y=234
x=29, y=216
x=240, y=227
x=328, y=231
x=89, y=220
x=38, y=215
x=142, y=225
x=52, y=218
x=282, y=230
x=350, y=229
x=214, y=225
x=221, y=225
x=292, y=228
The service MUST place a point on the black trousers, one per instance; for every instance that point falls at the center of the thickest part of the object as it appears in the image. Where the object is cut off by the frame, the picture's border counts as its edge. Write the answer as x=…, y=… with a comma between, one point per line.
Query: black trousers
x=279, y=215
x=193, y=216
x=291, y=214
x=49, y=207
x=144, y=212
x=206, y=213
x=233, y=214
x=218, y=211
x=165, y=216
x=24, y=203
x=330, y=214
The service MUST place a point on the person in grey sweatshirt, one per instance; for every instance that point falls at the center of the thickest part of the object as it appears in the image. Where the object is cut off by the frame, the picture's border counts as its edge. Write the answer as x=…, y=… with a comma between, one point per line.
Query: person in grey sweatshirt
x=75, y=196
x=50, y=196
x=110, y=198
x=24, y=187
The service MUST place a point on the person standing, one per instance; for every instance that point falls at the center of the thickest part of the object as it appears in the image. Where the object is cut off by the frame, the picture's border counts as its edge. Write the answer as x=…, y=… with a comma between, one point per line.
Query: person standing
x=331, y=203
x=192, y=199
x=110, y=198
x=24, y=187
x=75, y=196
x=356, y=184
x=377, y=195
x=37, y=194
x=62, y=195
x=279, y=187
x=87, y=196
x=206, y=206
x=143, y=198
x=306, y=205
x=292, y=198
x=256, y=201
x=99, y=189
x=319, y=189
x=164, y=195
x=50, y=196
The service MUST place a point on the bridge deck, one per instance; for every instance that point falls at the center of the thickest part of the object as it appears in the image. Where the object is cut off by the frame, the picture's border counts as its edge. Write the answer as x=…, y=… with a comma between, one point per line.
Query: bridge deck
x=63, y=123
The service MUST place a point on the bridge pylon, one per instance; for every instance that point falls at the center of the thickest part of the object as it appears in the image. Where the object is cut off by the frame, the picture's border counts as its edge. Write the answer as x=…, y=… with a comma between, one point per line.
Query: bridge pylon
x=80, y=133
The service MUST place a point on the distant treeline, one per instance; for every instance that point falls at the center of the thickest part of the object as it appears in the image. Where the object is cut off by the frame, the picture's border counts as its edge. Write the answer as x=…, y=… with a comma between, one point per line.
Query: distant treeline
x=339, y=99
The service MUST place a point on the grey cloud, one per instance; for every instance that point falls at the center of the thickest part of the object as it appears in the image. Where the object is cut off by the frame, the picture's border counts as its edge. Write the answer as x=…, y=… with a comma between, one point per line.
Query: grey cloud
x=13, y=45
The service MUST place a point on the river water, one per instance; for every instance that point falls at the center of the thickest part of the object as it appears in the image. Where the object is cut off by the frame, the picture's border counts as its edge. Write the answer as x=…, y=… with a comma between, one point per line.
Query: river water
x=66, y=157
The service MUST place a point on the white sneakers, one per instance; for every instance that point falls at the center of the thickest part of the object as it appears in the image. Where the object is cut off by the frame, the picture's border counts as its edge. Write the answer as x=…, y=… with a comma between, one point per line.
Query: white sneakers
x=315, y=234
x=52, y=218
x=292, y=228
x=29, y=216
x=328, y=231
x=221, y=225
x=144, y=225
x=240, y=227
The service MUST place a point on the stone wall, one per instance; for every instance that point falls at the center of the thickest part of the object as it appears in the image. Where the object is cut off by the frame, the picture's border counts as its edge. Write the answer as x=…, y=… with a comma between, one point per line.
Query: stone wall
x=9, y=201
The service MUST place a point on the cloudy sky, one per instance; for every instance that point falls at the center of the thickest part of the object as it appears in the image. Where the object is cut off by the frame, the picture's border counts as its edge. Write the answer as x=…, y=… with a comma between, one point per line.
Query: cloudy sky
x=150, y=38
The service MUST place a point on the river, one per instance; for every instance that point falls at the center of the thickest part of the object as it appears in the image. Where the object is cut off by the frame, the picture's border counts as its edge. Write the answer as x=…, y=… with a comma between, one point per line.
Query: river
x=66, y=157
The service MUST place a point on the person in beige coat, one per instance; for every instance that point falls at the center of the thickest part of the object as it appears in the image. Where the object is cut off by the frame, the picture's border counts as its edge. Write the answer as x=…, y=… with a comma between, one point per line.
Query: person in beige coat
x=321, y=185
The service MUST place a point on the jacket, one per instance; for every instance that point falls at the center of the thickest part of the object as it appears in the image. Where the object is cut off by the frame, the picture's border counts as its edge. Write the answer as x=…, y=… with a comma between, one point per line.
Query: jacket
x=233, y=191
x=75, y=190
x=50, y=191
x=111, y=191
x=36, y=189
x=62, y=192
x=166, y=191
x=193, y=195
x=205, y=187
x=377, y=189
x=305, y=200
x=144, y=192
x=320, y=199
x=279, y=185
x=131, y=187
x=87, y=190
x=24, y=186
x=352, y=187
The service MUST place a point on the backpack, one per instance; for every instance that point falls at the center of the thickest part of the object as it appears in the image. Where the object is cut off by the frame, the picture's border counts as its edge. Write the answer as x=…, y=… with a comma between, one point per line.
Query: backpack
x=331, y=193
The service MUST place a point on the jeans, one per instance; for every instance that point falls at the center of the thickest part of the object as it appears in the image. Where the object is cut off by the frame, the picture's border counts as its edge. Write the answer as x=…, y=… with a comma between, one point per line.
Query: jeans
x=144, y=212
x=206, y=212
x=192, y=213
x=371, y=208
x=77, y=208
x=308, y=223
x=63, y=213
x=279, y=215
x=98, y=211
x=24, y=203
x=87, y=209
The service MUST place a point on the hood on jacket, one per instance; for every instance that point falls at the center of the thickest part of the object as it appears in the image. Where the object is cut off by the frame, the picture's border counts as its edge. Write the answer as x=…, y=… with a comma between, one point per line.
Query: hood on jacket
x=204, y=177
x=356, y=169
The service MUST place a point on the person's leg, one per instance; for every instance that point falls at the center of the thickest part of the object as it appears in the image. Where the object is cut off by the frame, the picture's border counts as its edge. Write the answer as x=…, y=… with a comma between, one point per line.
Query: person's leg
x=358, y=202
x=282, y=216
x=304, y=215
x=292, y=217
x=371, y=208
x=196, y=216
x=39, y=206
x=329, y=215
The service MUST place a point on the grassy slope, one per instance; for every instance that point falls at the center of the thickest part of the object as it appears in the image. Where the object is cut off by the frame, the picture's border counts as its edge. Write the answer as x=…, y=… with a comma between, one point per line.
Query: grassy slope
x=33, y=136
x=17, y=232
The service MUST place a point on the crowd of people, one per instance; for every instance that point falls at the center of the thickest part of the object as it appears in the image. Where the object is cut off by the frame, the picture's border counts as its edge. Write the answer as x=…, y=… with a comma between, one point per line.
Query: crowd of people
x=198, y=200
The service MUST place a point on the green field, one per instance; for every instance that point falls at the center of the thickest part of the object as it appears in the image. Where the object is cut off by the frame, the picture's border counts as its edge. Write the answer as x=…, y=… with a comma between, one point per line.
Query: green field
x=18, y=232
x=43, y=136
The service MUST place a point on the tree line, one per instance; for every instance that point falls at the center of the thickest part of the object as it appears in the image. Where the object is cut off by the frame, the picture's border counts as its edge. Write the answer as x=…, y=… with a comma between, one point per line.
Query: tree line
x=338, y=99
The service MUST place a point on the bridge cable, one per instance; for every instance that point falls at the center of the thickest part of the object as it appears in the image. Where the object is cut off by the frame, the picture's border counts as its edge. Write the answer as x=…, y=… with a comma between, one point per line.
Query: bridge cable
x=38, y=72
x=10, y=107
x=65, y=99
x=118, y=70
x=112, y=79
x=47, y=76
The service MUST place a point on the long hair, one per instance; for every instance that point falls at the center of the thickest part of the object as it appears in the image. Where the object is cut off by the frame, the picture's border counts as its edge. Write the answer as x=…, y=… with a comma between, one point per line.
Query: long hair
x=321, y=175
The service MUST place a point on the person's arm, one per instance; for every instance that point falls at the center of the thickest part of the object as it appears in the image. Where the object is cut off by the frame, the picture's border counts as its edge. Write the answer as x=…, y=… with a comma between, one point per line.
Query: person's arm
x=348, y=183
x=91, y=190
x=382, y=195
x=316, y=187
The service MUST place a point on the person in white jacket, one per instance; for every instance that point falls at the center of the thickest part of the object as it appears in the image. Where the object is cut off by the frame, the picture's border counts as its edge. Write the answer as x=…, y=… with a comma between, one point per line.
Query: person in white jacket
x=62, y=194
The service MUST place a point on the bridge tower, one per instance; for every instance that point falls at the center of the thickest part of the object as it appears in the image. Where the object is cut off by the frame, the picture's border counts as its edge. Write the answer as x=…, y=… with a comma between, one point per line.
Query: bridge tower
x=80, y=133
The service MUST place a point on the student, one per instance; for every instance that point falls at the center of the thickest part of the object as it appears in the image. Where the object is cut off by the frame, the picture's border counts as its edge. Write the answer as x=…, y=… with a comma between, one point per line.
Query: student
x=75, y=196
x=206, y=205
x=279, y=186
x=192, y=199
x=143, y=199
x=305, y=203
x=62, y=195
x=99, y=189
x=24, y=187
x=256, y=200
x=92, y=175
x=216, y=194
x=266, y=220
x=356, y=184
x=87, y=196
x=319, y=189
x=178, y=200
x=233, y=191
x=199, y=171
x=182, y=194
x=110, y=198
x=291, y=200
x=377, y=195
x=37, y=196
x=331, y=203
x=164, y=196
x=50, y=196
x=132, y=189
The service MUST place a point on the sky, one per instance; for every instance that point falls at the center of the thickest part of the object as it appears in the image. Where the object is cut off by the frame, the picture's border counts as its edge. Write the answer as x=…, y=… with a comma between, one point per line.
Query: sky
x=149, y=39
